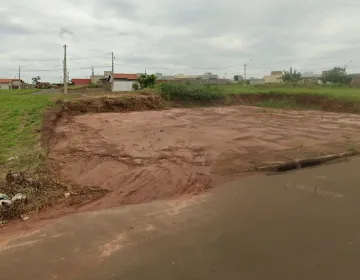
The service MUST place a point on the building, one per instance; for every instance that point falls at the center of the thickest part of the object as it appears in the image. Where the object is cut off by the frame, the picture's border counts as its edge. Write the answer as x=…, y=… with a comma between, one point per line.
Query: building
x=274, y=78
x=43, y=85
x=208, y=76
x=311, y=78
x=81, y=82
x=96, y=78
x=238, y=78
x=10, y=83
x=123, y=82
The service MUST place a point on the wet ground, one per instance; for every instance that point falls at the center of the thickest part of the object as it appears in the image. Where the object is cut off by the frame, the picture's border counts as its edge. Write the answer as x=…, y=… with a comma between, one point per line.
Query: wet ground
x=144, y=156
x=299, y=225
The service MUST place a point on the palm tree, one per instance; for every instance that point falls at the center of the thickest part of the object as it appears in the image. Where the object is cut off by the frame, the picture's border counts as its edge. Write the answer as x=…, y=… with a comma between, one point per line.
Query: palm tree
x=291, y=76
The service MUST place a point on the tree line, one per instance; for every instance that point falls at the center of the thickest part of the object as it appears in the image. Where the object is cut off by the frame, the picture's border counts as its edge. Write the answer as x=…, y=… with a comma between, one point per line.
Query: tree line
x=336, y=75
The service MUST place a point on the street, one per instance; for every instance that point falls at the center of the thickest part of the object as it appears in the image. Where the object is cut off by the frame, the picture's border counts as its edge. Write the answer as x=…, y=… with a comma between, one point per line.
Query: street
x=298, y=225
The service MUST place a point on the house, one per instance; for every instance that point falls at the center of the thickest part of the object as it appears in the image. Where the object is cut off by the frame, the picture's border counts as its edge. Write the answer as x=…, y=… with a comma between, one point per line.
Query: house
x=81, y=82
x=123, y=82
x=273, y=78
x=10, y=83
x=355, y=79
x=311, y=78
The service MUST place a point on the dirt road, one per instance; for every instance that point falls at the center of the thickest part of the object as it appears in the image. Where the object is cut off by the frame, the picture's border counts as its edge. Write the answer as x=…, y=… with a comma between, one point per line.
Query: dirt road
x=143, y=156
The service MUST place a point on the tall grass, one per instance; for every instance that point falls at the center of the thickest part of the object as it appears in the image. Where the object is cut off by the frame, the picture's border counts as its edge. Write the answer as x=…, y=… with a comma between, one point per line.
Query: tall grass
x=184, y=92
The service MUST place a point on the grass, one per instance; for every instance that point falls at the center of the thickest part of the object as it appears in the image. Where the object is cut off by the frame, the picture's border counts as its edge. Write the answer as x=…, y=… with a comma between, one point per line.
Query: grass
x=341, y=93
x=183, y=92
x=20, y=121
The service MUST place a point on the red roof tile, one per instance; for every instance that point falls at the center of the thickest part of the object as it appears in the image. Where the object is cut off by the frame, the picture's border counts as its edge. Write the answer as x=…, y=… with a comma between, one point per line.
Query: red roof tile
x=125, y=76
x=7, y=80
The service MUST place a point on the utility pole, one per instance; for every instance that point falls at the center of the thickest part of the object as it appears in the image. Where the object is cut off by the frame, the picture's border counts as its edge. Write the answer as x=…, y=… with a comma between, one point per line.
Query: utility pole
x=112, y=62
x=65, y=72
x=19, y=79
x=92, y=71
x=245, y=75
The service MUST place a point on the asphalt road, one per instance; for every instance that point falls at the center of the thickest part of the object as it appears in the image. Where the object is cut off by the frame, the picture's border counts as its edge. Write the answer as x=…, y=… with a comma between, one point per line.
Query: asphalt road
x=299, y=225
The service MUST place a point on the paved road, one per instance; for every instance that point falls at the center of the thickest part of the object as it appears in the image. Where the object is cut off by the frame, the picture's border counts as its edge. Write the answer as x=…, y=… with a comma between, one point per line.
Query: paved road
x=300, y=225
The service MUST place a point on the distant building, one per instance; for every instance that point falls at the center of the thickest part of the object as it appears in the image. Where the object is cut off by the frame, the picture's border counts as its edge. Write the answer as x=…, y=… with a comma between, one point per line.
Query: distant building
x=96, y=78
x=81, y=82
x=274, y=78
x=311, y=78
x=238, y=77
x=10, y=83
x=123, y=82
x=159, y=75
x=205, y=76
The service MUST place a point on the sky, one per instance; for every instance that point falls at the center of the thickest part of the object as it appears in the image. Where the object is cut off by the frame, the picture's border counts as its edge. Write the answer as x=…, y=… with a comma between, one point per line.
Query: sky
x=173, y=37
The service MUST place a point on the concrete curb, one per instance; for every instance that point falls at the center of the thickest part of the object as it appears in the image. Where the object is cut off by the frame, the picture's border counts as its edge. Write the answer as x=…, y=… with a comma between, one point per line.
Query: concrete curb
x=297, y=164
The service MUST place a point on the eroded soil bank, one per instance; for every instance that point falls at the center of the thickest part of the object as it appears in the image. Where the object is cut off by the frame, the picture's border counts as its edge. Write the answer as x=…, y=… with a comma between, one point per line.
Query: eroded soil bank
x=143, y=156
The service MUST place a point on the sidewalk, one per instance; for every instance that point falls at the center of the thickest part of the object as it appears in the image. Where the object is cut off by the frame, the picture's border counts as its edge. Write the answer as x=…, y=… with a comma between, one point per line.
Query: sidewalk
x=299, y=225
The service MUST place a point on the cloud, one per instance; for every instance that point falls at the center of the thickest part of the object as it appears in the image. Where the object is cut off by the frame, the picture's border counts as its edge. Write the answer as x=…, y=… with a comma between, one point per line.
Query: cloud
x=172, y=36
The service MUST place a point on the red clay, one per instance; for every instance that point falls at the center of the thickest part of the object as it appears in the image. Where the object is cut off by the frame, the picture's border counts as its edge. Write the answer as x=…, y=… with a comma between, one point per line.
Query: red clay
x=143, y=156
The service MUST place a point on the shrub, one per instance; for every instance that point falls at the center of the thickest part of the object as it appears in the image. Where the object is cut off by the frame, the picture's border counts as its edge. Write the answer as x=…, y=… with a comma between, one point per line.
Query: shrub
x=172, y=91
x=135, y=86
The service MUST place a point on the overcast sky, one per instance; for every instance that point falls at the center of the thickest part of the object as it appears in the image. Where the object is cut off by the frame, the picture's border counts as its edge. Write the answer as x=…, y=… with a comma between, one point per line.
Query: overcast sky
x=172, y=36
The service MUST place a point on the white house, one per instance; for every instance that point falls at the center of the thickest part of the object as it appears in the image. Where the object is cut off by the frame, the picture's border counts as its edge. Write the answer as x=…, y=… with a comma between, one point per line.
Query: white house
x=10, y=83
x=123, y=82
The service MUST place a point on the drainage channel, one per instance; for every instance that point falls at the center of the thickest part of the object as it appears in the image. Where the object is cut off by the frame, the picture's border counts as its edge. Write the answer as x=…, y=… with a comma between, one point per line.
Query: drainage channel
x=299, y=164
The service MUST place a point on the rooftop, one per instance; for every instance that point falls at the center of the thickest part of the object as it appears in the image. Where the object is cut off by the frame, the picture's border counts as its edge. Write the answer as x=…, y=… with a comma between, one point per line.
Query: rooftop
x=125, y=76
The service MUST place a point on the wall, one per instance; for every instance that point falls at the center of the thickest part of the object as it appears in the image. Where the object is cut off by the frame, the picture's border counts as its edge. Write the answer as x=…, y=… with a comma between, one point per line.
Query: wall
x=96, y=78
x=257, y=82
x=5, y=86
x=119, y=85
x=273, y=79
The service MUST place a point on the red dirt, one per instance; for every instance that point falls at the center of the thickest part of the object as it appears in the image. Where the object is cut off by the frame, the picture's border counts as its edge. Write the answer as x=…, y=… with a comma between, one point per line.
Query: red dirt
x=143, y=156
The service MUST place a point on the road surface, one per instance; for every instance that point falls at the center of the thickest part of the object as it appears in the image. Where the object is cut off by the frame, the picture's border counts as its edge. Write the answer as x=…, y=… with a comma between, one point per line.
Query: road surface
x=299, y=225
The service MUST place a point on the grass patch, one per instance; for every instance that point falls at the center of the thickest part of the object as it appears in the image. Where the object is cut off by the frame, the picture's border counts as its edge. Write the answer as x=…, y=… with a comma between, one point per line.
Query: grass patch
x=183, y=92
x=284, y=104
x=338, y=92
x=20, y=121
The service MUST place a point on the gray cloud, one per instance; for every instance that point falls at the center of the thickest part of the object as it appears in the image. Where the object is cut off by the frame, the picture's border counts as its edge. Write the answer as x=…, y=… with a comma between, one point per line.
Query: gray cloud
x=174, y=36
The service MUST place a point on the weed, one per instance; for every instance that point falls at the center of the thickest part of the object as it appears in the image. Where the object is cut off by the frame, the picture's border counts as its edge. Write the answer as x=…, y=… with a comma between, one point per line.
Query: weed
x=352, y=148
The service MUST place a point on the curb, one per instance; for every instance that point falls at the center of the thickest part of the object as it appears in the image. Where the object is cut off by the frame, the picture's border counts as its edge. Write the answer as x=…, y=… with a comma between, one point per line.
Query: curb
x=298, y=164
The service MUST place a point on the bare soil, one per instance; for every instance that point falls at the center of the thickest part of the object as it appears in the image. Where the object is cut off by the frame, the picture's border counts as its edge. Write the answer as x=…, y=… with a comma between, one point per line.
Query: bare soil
x=143, y=156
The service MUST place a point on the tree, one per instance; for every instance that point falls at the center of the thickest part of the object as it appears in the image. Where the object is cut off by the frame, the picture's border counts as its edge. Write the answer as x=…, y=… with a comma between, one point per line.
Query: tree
x=146, y=80
x=336, y=75
x=291, y=76
x=238, y=78
x=36, y=80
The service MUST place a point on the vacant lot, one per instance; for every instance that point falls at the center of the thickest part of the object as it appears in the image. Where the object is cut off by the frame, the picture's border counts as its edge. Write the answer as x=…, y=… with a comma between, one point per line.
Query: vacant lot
x=142, y=156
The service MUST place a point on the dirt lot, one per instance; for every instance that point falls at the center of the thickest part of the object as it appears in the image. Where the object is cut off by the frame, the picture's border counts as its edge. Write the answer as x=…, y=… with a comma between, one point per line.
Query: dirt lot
x=143, y=156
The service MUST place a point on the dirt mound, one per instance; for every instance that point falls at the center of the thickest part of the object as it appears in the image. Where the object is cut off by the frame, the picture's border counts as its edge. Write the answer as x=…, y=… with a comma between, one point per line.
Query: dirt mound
x=40, y=191
x=142, y=156
x=123, y=103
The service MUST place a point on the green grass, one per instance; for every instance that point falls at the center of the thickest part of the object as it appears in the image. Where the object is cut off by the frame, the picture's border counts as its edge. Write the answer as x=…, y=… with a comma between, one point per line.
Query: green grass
x=341, y=93
x=20, y=121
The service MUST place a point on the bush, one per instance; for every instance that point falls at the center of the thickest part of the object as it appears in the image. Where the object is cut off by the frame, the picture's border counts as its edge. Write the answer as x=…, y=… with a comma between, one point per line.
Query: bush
x=172, y=91
x=135, y=86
